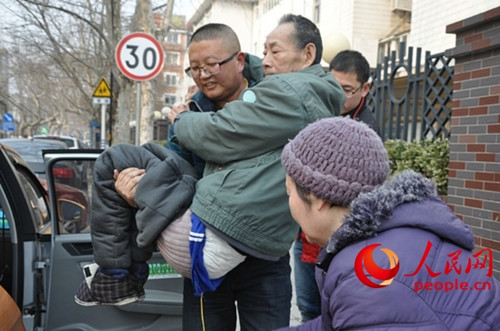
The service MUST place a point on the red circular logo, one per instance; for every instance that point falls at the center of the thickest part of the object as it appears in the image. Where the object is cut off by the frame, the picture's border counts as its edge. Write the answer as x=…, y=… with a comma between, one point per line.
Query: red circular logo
x=364, y=262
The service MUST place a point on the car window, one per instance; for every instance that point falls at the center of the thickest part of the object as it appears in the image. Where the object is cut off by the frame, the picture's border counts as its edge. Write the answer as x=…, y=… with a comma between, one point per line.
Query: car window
x=73, y=189
x=69, y=142
x=38, y=201
x=6, y=250
x=3, y=220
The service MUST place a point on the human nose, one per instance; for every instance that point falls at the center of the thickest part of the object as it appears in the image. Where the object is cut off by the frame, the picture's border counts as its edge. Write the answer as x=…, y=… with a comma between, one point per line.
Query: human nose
x=204, y=72
x=266, y=61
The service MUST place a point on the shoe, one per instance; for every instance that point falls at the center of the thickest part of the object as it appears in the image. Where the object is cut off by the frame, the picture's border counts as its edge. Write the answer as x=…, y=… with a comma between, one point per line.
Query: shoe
x=139, y=273
x=139, y=286
x=101, y=289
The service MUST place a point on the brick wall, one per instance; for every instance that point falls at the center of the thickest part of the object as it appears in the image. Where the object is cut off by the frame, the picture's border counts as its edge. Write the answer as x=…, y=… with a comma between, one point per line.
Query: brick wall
x=474, y=168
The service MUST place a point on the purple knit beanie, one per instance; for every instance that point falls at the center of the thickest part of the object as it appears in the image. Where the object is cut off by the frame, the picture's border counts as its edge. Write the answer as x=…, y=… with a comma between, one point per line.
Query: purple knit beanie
x=336, y=159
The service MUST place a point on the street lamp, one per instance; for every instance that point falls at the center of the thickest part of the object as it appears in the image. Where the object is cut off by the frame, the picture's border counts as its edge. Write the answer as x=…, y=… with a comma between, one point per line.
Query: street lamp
x=333, y=44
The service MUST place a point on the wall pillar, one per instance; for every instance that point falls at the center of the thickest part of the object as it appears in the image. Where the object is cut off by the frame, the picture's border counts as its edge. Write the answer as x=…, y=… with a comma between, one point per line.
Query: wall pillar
x=474, y=168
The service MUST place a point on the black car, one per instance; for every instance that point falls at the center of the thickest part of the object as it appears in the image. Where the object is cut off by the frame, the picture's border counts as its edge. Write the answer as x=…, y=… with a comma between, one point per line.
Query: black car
x=42, y=255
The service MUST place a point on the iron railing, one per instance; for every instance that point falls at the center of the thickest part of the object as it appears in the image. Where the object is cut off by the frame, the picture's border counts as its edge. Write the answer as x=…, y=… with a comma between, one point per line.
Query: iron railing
x=411, y=101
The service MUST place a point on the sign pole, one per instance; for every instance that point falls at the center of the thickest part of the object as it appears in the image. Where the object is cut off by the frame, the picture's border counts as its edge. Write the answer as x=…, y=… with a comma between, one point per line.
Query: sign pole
x=103, y=126
x=102, y=96
x=138, y=114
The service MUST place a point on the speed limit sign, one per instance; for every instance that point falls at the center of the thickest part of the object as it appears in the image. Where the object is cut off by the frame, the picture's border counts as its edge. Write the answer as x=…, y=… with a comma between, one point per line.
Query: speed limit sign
x=139, y=56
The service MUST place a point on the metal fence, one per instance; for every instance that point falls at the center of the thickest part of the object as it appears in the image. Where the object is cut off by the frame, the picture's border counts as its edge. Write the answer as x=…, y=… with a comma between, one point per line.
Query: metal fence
x=411, y=101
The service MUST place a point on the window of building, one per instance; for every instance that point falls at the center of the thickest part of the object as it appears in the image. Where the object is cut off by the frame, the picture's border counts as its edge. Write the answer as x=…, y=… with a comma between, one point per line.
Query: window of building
x=171, y=79
x=317, y=10
x=173, y=38
x=172, y=58
x=169, y=99
x=270, y=4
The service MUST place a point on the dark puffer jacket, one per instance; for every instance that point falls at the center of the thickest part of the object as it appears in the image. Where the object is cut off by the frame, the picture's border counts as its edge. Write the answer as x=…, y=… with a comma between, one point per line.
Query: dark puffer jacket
x=122, y=234
x=431, y=291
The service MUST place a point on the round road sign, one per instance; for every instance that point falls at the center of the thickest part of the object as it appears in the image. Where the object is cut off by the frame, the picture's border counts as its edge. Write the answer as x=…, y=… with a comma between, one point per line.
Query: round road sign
x=139, y=56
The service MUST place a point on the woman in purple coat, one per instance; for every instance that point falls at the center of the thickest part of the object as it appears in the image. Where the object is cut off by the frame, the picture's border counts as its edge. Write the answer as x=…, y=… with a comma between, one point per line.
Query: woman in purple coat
x=394, y=256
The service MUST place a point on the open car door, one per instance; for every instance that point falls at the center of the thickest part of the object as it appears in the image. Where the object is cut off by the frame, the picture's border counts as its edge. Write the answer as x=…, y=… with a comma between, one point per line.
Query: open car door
x=71, y=250
x=24, y=217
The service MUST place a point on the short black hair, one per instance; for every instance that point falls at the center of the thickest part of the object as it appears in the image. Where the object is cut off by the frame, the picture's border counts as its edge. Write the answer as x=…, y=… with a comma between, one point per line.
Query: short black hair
x=213, y=31
x=305, y=32
x=351, y=61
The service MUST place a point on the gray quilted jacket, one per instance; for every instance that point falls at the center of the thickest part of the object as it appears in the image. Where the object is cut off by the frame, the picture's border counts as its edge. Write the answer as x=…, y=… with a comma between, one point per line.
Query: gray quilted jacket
x=122, y=234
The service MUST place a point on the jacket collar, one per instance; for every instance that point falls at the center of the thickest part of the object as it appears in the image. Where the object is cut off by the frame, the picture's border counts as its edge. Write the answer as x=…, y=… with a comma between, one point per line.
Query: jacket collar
x=371, y=213
x=253, y=72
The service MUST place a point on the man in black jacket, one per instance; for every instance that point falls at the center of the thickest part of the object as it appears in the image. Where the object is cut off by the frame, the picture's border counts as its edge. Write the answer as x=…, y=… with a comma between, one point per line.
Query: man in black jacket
x=352, y=71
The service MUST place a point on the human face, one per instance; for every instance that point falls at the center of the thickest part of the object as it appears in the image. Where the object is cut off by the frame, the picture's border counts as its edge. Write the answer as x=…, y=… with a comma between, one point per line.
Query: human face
x=225, y=85
x=318, y=219
x=353, y=89
x=280, y=53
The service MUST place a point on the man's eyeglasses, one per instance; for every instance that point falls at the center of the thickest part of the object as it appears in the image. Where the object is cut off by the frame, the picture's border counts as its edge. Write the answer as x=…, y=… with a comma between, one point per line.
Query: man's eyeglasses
x=208, y=69
x=349, y=92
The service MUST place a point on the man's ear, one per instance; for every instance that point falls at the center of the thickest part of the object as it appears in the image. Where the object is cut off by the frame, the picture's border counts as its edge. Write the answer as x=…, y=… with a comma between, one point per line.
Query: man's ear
x=365, y=89
x=241, y=60
x=310, y=54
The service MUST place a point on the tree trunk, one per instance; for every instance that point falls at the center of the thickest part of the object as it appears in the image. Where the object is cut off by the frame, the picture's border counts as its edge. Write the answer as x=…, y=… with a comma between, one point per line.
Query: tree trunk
x=145, y=129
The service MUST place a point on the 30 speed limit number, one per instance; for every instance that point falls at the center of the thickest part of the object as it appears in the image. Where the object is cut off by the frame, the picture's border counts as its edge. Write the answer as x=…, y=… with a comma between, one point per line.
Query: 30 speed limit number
x=139, y=56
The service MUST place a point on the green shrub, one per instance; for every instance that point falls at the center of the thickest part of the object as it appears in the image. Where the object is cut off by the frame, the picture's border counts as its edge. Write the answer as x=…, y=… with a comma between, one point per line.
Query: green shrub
x=428, y=157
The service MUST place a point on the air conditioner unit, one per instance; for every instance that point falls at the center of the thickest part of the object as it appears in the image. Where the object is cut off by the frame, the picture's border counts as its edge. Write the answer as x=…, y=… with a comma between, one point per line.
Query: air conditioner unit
x=403, y=5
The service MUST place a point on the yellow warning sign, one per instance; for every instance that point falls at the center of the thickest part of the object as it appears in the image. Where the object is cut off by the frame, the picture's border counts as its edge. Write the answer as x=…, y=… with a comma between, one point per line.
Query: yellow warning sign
x=102, y=90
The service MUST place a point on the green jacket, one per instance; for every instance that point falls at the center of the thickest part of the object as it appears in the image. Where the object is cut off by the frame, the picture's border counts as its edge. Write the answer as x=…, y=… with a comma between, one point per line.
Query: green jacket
x=242, y=193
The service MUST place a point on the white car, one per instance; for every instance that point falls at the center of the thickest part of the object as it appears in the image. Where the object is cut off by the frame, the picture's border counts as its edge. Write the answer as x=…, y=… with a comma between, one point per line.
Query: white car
x=71, y=142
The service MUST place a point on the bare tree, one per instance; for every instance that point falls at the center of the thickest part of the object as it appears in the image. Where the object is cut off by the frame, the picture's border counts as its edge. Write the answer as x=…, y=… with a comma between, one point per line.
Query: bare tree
x=60, y=52
x=54, y=65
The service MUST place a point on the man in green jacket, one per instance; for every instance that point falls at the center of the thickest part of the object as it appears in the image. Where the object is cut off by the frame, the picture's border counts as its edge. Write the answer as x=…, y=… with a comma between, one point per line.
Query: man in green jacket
x=120, y=270
x=242, y=196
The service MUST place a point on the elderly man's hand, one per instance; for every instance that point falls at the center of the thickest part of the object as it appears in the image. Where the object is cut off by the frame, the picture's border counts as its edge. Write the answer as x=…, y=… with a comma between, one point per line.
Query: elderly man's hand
x=126, y=183
x=177, y=109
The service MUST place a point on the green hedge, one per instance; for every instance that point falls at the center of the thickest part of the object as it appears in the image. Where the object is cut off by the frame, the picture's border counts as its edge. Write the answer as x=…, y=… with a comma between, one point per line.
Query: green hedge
x=428, y=157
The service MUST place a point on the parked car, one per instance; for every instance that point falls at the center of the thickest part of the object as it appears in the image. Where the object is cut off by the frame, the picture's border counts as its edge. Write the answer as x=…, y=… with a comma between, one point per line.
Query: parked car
x=31, y=150
x=41, y=263
x=71, y=142
x=72, y=206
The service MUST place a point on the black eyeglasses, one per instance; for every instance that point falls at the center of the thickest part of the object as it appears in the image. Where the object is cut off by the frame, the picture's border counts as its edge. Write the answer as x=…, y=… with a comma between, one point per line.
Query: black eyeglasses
x=349, y=92
x=209, y=69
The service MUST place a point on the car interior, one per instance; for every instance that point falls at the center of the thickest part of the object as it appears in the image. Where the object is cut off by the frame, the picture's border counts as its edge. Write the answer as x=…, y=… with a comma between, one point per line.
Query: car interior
x=45, y=244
